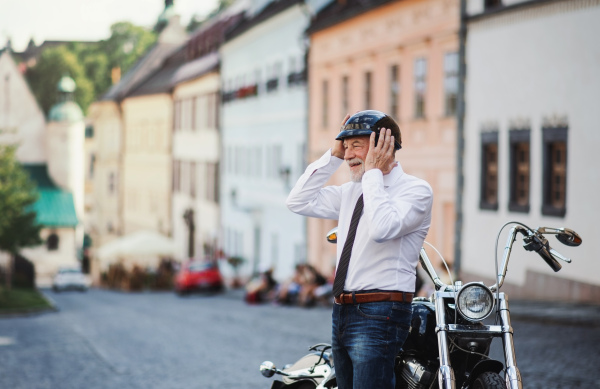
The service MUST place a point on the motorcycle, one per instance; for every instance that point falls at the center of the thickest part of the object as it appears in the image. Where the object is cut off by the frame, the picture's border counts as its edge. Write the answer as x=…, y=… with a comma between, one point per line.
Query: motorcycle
x=451, y=331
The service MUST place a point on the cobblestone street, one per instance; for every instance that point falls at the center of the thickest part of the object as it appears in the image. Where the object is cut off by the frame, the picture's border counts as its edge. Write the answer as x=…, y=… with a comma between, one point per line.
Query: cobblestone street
x=103, y=339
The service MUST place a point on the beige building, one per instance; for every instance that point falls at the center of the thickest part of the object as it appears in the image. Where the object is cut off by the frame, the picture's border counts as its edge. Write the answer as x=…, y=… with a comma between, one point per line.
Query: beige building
x=399, y=57
x=132, y=127
x=196, y=155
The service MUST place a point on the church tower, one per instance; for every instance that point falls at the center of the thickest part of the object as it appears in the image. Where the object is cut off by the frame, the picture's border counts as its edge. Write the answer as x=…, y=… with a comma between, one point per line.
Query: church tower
x=65, y=144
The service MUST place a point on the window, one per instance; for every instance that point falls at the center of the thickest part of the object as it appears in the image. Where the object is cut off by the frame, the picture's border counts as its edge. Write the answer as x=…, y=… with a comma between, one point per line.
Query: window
x=92, y=166
x=420, y=87
x=193, y=113
x=555, y=171
x=345, y=96
x=450, y=83
x=325, y=105
x=112, y=182
x=276, y=161
x=275, y=74
x=492, y=4
x=489, y=171
x=52, y=242
x=89, y=131
x=177, y=116
x=519, y=170
x=212, y=182
x=368, y=82
x=176, y=178
x=394, y=91
x=193, y=179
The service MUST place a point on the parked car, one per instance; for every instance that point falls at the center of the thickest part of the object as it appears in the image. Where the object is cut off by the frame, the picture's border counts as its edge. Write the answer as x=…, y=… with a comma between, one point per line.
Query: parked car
x=70, y=278
x=197, y=276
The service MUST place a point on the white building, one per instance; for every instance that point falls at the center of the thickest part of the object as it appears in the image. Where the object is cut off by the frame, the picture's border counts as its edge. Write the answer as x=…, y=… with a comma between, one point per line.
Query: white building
x=264, y=127
x=531, y=140
x=53, y=155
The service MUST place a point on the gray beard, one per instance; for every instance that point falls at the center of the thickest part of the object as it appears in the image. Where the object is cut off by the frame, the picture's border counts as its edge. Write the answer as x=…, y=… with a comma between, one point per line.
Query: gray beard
x=356, y=176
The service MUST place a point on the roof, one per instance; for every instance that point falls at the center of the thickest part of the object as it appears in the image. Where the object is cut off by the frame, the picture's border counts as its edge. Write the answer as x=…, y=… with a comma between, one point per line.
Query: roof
x=54, y=207
x=66, y=111
x=147, y=65
x=338, y=12
x=165, y=79
x=196, y=68
x=159, y=82
x=267, y=12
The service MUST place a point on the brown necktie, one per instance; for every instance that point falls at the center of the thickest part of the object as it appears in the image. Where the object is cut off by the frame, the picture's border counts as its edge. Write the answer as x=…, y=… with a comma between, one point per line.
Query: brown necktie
x=342, y=269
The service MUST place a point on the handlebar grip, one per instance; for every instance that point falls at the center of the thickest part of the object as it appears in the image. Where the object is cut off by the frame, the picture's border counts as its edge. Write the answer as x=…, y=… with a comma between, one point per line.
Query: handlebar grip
x=546, y=256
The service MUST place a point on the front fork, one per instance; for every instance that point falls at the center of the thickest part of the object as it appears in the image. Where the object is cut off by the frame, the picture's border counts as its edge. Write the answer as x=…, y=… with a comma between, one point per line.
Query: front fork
x=513, y=375
x=446, y=378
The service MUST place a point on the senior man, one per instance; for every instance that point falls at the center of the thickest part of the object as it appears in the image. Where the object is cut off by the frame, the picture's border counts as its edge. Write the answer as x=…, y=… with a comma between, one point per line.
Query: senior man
x=383, y=217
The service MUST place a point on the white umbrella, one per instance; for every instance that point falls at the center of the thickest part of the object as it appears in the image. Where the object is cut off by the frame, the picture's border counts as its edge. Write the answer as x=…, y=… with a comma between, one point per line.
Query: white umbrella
x=147, y=245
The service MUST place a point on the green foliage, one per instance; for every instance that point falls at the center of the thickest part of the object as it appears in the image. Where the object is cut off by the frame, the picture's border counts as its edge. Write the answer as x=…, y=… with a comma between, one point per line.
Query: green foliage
x=89, y=64
x=52, y=65
x=21, y=300
x=18, y=227
x=126, y=44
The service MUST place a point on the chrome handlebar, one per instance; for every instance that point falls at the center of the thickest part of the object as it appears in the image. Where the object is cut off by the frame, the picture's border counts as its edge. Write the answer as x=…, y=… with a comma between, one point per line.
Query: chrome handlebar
x=533, y=240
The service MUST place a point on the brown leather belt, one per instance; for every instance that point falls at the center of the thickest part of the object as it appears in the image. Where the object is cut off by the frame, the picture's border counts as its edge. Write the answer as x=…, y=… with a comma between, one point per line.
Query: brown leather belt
x=372, y=297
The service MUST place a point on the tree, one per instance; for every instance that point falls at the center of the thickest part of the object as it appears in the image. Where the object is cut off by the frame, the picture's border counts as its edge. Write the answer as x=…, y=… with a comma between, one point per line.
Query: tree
x=53, y=64
x=90, y=64
x=126, y=44
x=18, y=227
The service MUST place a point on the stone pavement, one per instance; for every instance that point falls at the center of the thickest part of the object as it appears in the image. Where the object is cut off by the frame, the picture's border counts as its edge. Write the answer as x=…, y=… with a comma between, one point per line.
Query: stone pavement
x=536, y=311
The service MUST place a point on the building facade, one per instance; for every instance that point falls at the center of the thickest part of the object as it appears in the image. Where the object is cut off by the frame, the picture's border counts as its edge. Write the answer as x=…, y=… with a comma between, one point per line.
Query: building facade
x=263, y=126
x=399, y=57
x=132, y=125
x=530, y=140
x=197, y=141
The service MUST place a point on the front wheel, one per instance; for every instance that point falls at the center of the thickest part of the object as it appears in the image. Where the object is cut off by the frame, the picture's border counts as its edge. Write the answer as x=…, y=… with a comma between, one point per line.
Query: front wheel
x=489, y=380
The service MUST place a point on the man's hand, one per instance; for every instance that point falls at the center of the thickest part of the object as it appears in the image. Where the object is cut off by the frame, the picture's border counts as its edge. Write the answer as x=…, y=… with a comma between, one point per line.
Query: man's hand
x=338, y=146
x=382, y=156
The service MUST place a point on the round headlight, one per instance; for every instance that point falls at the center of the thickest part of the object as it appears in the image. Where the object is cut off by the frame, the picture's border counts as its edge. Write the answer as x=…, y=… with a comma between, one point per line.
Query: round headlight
x=475, y=301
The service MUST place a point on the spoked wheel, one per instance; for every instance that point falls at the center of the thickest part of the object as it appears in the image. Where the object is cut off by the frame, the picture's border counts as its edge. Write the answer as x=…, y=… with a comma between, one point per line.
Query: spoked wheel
x=489, y=380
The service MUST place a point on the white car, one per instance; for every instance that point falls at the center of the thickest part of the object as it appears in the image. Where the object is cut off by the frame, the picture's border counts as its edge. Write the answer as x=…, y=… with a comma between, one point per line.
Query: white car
x=70, y=278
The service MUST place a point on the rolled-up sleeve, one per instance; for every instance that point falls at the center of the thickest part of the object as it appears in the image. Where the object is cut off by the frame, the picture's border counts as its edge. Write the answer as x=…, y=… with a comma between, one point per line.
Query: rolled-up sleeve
x=309, y=197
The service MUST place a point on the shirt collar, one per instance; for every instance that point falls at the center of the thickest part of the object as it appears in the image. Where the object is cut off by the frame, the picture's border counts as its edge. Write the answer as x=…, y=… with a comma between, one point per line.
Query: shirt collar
x=393, y=176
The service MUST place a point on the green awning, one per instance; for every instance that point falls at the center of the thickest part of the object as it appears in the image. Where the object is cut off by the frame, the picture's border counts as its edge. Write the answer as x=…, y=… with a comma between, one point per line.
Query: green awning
x=54, y=206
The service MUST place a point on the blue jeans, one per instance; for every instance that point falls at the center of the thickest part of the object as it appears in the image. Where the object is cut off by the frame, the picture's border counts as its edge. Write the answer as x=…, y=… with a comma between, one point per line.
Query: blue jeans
x=366, y=339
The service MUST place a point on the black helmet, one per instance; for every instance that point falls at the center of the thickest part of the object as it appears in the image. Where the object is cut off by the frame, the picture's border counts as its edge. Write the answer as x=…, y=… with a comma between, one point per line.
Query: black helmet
x=367, y=122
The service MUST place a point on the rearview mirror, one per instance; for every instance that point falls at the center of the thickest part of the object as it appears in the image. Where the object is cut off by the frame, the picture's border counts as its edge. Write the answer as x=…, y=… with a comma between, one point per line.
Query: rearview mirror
x=569, y=237
x=268, y=369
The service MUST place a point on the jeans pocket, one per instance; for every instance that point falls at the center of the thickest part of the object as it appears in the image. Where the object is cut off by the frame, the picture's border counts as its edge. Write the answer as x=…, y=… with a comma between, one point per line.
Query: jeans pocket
x=377, y=311
x=402, y=314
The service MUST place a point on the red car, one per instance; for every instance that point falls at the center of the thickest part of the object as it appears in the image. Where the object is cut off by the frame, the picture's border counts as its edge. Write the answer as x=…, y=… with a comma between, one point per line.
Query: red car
x=196, y=276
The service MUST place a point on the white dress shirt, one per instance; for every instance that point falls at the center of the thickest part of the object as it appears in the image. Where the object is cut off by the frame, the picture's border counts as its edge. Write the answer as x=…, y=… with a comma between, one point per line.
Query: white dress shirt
x=392, y=228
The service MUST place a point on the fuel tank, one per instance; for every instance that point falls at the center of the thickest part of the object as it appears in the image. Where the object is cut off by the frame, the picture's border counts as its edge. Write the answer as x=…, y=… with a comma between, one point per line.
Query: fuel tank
x=422, y=340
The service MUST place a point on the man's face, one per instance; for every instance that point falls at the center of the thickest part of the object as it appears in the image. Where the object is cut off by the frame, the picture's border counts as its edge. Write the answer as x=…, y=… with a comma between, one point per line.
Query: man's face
x=356, y=151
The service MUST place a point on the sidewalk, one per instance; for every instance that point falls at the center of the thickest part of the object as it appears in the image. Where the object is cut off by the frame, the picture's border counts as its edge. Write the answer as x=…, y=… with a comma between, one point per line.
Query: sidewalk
x=556, y=313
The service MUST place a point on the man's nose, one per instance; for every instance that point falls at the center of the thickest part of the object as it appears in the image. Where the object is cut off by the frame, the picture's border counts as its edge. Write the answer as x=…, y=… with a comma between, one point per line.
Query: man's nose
x=348, y=153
